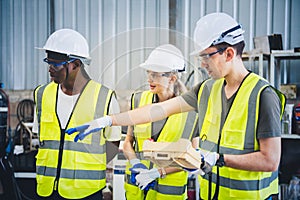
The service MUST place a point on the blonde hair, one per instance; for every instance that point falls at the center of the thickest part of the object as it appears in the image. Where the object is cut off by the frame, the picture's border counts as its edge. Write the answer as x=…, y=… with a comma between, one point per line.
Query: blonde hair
x=179, y=87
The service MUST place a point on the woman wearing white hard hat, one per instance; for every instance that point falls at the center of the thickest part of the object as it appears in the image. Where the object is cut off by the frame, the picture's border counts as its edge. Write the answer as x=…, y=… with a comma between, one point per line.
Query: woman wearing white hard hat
x=163, y=67
x=239, y=116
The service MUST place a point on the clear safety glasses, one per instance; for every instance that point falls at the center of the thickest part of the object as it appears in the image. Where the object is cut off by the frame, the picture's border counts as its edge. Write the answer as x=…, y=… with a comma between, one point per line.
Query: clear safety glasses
x=156, y=75
x=55, y=64
x=205, y=57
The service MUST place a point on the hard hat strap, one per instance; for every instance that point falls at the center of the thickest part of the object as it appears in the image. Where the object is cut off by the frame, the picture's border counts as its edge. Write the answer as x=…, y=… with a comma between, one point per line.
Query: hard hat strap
x=67, y=72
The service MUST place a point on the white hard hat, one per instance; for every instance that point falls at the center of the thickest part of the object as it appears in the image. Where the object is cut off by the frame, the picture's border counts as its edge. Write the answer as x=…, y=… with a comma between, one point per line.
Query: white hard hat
x=69, y=42
x=165, y=58
x=216, y=28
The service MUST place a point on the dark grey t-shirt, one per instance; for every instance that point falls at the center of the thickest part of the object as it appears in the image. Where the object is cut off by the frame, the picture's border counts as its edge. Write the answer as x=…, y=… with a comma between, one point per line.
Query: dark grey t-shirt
x=269, y=110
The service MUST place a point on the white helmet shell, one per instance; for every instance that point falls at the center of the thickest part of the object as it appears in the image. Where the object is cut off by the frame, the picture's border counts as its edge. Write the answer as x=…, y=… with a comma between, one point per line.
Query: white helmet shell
x=216, y=28
x=165, y=58
x=70, y=42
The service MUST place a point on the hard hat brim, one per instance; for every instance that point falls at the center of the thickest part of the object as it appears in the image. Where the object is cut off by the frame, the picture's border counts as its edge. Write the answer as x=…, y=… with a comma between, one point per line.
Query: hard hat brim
x=45, y=49
x=85, y=60
x=155, y=67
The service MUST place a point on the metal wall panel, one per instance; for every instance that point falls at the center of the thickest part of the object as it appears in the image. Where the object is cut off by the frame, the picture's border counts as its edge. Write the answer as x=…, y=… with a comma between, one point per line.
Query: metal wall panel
x=122, y=33
x=23, y=27
x=258, y=18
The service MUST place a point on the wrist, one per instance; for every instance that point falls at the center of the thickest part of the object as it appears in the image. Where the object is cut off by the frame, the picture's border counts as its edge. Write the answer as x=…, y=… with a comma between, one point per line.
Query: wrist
x=162, y=172
x=220, y=161
x=109, y=120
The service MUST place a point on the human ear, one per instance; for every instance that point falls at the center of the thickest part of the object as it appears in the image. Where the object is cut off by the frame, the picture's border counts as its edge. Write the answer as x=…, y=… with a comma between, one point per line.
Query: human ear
x=76, y=64
x=173, y=78
x=229, y=53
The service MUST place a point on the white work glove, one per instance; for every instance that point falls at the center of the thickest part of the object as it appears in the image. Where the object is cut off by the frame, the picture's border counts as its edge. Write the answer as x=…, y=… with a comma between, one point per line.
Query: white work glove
x=136, y=168
x=208, y=160
x=144, y=178
x=90, y=127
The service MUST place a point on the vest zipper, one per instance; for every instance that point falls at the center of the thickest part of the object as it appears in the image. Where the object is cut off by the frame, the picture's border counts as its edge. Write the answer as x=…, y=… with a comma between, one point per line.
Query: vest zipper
x=60, y=154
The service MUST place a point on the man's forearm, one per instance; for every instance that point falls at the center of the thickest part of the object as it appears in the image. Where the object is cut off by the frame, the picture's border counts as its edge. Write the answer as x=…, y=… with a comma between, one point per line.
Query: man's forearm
x=151, y=113
x=267, y=159
x=141, y=115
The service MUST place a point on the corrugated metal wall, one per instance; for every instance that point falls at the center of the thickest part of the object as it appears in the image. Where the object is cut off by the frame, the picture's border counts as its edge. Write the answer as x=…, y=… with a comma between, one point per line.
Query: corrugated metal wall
x=24, y=25
x=121, y=33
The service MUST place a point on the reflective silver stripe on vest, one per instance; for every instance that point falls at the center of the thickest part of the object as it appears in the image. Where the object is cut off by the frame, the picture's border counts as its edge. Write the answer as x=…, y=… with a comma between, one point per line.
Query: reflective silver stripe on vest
x=202, y=108
x=39, y=101
x=170, y=190
x=72, y=174
x=72, y=146
x=163, y=189
x=102, y=96
x=189, y=125
x=137, y=97
x=244, y=185
x=100, y=112
x=251, y=123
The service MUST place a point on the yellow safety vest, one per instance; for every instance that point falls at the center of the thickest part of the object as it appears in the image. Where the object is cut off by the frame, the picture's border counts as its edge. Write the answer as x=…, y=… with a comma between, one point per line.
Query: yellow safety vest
x=74, y=169
x=177, y=126
x=238, y=136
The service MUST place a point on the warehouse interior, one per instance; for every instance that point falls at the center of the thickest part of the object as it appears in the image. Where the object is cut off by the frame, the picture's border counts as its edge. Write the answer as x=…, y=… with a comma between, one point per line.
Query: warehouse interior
x=121, y=34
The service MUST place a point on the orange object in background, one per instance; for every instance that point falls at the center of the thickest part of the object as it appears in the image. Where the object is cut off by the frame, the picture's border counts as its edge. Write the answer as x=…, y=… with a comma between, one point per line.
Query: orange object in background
x=297, y=112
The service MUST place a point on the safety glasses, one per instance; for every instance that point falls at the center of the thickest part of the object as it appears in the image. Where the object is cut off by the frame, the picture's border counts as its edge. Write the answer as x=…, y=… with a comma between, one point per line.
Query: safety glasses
x=156, y=75
x=55, y=64
x=205, y=57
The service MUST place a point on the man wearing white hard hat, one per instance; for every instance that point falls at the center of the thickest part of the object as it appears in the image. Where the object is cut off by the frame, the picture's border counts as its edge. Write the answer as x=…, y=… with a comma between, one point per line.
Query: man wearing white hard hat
x=143, y=180
x=239, y=116
x=67, y=169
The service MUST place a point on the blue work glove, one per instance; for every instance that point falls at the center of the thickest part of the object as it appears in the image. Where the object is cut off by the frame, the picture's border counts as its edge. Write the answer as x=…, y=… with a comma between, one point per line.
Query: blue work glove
x=136, y=168
x=150, y=185
x=91, y=127
x=146, y=178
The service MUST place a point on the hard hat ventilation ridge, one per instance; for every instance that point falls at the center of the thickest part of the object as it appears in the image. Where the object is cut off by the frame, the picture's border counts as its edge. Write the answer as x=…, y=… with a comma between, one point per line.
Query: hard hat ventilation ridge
x=231, y=36
x=231, y=30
